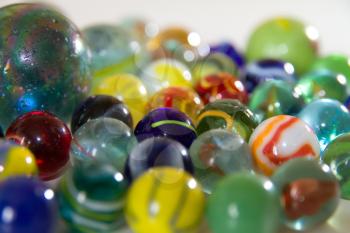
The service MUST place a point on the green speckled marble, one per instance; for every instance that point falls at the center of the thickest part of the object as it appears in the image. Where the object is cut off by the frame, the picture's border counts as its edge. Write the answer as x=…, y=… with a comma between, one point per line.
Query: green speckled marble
x=44, y=63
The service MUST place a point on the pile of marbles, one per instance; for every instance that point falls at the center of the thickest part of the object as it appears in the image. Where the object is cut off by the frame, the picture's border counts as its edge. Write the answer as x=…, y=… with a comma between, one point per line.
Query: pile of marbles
x=131, y=126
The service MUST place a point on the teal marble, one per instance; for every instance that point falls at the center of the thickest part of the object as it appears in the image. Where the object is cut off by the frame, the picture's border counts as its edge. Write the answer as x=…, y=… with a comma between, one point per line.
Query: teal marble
x=91, y=194
x=328, y=118
x=218, y=153
x=309, y=193
x=44, y=63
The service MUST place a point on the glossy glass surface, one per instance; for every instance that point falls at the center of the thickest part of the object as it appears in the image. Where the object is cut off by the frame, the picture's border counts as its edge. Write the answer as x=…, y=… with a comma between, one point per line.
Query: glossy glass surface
x=29, y=205
x=47, y=137
x=309, y=193
x=229, y=50
x=44, y=66
x=280, y=139
x=231, y=115
x=327, y=118
x=167, y=122
x=243, y=203
x=217, y=153
x=166, y=200
x=275, y=97
x=337, y=156
x=100, y=106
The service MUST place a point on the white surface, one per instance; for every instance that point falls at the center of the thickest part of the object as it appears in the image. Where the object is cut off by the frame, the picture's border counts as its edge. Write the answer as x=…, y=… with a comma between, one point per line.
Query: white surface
x=231, y=20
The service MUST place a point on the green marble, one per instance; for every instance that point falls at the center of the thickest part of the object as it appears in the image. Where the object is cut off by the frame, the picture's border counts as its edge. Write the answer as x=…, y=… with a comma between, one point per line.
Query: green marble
x=244, y=203
x=286, y=39
x=309, y=193
x=337, y=156
x=44, y=63
x=337, y=63
x=227, y=114
x=274, y=97
x=322, y=84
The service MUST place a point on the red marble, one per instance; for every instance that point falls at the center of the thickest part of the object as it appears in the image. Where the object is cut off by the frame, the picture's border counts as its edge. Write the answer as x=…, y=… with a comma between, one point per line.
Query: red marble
x=47, y=137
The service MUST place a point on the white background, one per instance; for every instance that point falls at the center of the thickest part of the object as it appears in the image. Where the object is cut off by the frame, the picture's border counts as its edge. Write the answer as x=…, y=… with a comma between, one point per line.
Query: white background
x=230, y=20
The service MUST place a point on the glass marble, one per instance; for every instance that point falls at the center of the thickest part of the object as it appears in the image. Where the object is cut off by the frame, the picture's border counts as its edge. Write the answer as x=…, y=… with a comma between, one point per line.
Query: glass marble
x=91, y=195
x=166, y=200
x=279, y=139
x=322, y=84
x=128, y=89
x=29, y=205
x=183, y=99
x=211, y=64
x=167, y=122
x=243, y=203
x=309, y=193
x=44, y=62
x=157, y=152
x=164, y=73
x=258, y=72
x=104, y=139
x=139, y=28
x=47, y=137
x=221, y=86
x=229, y=50
x=275, y=97
x=337, y=63
x=284, y=38
x=110, y=48
x=327, y=118
x=16, y=160
x=337, y=156
x=227, y=114
x=217, y=153
x=100, y=106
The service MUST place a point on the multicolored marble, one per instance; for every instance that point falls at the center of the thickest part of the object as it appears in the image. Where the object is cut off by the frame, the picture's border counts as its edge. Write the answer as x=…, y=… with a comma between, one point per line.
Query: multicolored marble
x=221, y=86
x=218, y=153
x=229, y=50
x=280, y=139
x=309, y=193
x=27, y=205
x=91, y=196
x=44, y=62
x=275, y=97
x=284, y=38
x=258, y=72
x=165, y=200
x=47, y=137
x=128, y=89
x=167, y=122
x=227, y=114
x=327, y=118
x=337, y=156
x=16, y=160
x=322, y=84
x=100, y=106
x=244, y=203
x=157, y=152
x=181, y=98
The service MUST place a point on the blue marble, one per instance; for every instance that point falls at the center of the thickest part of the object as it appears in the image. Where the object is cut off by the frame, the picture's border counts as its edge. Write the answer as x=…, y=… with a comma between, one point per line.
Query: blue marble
x=229, y=50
